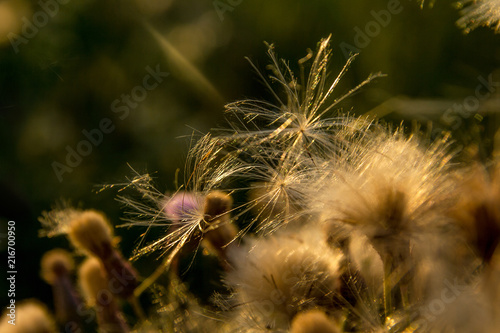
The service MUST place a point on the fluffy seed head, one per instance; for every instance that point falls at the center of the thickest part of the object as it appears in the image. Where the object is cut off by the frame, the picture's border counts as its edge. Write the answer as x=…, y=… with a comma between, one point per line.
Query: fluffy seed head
x=56, y=221
x=92, y=233
x=182, y=214
x=277, y=277
x=31, y=317
x=56, y=263
x=389, y=187
x=314, y=321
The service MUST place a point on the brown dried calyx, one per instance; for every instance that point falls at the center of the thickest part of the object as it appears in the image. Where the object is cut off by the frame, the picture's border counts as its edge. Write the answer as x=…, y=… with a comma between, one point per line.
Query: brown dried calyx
x=220, y=231
x=478, y=210
x=217, y=206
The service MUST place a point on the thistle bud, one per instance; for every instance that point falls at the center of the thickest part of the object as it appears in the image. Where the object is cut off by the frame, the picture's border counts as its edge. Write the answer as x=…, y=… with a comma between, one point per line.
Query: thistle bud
x=92, y=233
x=219, y=237
x=97, y=290
x=217, y=206
x=57, y=266
x=182, y=205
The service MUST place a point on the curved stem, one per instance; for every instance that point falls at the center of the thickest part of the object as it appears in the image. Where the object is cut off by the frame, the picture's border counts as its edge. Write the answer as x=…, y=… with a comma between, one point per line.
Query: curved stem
x=157, y=273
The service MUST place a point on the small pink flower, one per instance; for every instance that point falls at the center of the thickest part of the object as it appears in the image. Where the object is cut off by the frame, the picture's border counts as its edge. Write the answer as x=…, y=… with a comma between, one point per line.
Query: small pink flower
x=182, y=205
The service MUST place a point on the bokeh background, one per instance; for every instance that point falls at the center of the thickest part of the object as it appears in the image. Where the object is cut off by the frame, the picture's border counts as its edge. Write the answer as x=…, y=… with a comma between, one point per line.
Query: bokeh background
x=62, y=78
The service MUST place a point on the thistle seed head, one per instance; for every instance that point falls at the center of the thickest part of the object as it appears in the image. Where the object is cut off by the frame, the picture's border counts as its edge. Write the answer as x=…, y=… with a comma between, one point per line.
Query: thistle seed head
x=292, y=271
x=313, y=321
x=91, y=233
x=55, y=264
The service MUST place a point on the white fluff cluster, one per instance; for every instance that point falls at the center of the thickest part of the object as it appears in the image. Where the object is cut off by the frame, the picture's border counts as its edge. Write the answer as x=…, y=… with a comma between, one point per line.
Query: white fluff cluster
x=320, y=221
x=275, y=278
x=389, y=187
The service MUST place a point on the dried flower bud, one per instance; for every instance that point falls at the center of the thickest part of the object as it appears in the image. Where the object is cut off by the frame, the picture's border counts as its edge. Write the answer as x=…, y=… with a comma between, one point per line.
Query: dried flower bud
x=92, y=233
x=217, y=205
x=219, y=241
x=98, y=293
x=219, y=238
x=216, y=214
x=57, y=265
x=93, y=280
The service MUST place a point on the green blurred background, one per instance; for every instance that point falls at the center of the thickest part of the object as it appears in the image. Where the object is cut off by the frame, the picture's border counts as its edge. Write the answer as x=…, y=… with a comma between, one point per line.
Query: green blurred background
x=64, y=78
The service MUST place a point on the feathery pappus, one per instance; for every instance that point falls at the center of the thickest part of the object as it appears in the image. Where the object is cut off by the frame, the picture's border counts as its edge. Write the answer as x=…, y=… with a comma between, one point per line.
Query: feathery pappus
x=320, y=221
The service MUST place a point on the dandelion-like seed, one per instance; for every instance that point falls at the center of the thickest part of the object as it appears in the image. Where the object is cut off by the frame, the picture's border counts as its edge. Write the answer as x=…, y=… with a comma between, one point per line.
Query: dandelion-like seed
x=284, y=144
x=183, y=213
x=277, y=194
x=190, y=213
x=300, y=123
